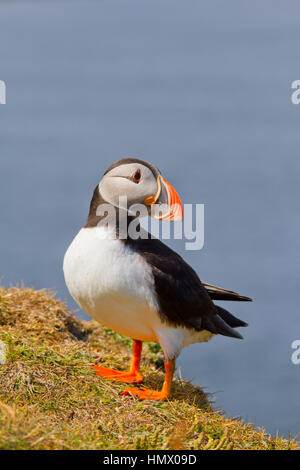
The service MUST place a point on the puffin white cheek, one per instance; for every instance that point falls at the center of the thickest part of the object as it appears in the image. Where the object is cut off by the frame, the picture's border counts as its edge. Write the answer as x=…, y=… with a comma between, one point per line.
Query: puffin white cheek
x=122, y=192
x=111, y=190
x=148, y=187
x=138, y=192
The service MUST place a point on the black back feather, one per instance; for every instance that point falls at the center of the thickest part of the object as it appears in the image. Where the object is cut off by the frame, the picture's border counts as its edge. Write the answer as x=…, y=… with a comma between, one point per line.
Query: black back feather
x=182, y=298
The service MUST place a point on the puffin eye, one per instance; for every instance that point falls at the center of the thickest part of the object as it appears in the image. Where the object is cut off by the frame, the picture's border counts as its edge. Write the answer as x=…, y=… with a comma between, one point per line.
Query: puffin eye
x=136, y=176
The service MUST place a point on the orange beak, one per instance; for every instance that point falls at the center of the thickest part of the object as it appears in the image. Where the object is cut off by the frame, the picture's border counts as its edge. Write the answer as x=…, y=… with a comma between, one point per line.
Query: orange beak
x=168, y=198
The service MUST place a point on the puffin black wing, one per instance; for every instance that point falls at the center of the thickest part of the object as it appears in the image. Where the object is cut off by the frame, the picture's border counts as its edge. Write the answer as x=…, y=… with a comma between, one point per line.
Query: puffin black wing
x=182, y=298
x=218, y=293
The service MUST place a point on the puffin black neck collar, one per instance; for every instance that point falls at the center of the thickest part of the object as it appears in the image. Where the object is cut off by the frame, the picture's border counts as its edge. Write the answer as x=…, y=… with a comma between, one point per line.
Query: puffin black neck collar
x=94, y=219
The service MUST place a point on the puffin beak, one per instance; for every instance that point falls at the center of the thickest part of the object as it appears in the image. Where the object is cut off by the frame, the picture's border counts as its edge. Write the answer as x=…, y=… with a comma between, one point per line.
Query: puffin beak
x=166, y=204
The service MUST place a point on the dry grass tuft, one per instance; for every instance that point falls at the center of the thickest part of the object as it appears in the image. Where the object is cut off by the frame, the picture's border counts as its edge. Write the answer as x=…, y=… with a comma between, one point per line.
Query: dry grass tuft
x=51, y=399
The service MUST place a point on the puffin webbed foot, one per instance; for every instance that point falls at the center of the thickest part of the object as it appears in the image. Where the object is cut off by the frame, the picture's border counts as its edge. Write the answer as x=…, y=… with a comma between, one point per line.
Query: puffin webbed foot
x=145, y=394
x=133, y=376
x=119, y=376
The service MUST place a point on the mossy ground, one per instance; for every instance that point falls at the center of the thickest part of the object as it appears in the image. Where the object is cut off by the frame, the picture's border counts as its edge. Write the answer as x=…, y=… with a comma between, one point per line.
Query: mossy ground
x=50, y=397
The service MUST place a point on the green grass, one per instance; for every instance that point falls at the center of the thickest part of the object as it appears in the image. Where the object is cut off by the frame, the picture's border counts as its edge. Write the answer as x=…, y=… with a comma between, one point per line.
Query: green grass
x=50, y=397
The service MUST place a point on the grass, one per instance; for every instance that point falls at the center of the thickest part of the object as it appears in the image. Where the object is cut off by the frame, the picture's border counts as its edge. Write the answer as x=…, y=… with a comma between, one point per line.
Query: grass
x=50, y=397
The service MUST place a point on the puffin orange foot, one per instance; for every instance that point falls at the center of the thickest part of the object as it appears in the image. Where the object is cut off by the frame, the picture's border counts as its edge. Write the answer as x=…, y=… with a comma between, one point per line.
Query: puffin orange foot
x=145, y=394
x=119, y=376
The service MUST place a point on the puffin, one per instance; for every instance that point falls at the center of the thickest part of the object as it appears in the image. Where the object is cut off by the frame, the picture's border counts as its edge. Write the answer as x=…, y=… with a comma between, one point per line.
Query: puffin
x=136, y=285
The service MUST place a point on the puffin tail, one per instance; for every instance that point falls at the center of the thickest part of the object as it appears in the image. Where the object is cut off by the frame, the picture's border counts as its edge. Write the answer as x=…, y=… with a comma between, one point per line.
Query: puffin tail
x=230, y=319
x=223, y=323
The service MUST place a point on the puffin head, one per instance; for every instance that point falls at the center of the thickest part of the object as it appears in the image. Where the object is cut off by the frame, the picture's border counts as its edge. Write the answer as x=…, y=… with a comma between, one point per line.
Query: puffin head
x=141, y=183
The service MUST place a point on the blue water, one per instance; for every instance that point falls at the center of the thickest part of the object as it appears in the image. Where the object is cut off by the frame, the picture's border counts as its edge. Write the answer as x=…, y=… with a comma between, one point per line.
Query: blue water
x=202, y=90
